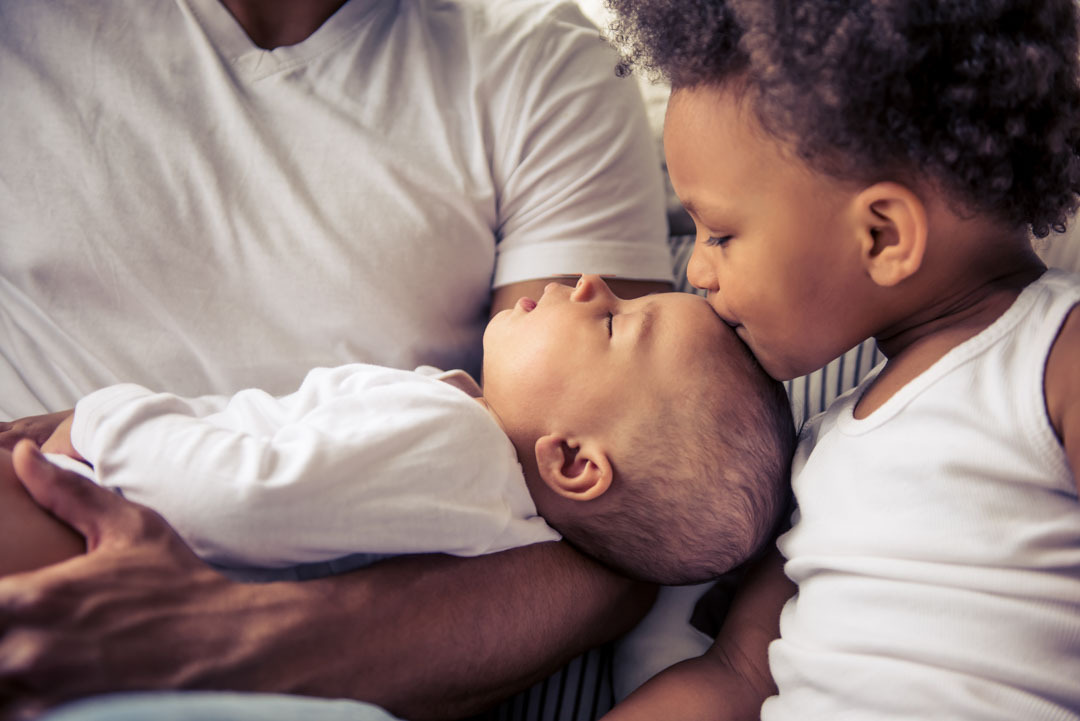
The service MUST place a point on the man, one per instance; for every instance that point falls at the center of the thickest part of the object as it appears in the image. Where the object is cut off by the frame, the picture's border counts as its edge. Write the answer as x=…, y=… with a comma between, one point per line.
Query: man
x=206, y=196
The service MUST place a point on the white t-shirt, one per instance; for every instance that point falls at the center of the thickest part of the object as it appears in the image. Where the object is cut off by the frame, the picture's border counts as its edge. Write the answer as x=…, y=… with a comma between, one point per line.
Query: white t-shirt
x=936, y=546
x=184, y=210
x=361, y=459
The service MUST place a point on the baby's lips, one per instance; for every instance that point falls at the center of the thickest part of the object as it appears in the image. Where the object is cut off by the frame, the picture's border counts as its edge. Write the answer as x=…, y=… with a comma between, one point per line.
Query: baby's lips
x=526, y=304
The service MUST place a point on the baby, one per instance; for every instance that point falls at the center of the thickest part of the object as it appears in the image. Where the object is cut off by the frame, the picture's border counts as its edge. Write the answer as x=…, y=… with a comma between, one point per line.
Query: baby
x=642, y=430
x=877, y=169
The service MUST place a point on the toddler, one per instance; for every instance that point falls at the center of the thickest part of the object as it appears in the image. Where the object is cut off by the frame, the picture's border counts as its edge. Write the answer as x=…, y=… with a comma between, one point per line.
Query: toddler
x=642, y=430
x=876, y=168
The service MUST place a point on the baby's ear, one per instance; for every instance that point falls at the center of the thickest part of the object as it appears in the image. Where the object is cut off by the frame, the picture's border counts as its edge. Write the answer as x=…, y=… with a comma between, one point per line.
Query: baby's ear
x=892, y=228
x=574, y=470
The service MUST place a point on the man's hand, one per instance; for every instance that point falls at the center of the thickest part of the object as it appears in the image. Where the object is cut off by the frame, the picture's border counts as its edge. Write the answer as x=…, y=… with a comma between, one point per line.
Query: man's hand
x=426, y=637
x=59, y=626
x=34, y=428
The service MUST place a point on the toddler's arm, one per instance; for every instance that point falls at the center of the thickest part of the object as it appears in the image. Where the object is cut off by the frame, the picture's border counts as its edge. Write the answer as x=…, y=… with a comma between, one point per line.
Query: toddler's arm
x=30, y=537
x=1062, y=388
x=731, y=680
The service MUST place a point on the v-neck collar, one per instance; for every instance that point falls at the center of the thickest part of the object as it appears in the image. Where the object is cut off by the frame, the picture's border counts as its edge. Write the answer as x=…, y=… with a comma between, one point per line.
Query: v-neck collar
x=239, y=51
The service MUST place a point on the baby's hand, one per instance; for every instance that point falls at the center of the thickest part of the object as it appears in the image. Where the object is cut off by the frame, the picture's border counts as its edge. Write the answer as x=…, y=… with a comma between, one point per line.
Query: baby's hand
x=60, y=440
x=36, y=428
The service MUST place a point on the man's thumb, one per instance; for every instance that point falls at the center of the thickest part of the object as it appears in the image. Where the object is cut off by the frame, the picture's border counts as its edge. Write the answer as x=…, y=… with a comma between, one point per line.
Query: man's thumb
x=77, y=501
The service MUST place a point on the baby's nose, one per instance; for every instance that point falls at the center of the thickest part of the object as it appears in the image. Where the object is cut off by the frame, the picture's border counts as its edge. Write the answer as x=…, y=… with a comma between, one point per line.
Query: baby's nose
x=588, y=286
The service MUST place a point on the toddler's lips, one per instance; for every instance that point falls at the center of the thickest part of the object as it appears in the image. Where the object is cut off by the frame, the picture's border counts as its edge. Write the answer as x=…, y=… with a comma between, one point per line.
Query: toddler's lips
x=526, y=304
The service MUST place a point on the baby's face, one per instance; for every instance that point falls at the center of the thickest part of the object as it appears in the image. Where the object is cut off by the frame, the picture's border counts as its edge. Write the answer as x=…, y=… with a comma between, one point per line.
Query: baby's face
x=584, y=358
x=775, y=244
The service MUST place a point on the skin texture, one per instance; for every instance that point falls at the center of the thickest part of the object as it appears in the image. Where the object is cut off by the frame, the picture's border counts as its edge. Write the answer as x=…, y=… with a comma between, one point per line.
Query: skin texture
x=277, y=23
x=29, y=539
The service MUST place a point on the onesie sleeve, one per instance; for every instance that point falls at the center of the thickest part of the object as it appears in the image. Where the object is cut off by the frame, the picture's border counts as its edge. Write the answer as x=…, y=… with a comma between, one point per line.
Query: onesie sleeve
x=359, y=459
x=582, y=190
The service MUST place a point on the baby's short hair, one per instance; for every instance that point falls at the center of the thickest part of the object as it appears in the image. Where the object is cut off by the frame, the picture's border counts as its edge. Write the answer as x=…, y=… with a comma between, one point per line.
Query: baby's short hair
x=699, y=487
x=981, y=98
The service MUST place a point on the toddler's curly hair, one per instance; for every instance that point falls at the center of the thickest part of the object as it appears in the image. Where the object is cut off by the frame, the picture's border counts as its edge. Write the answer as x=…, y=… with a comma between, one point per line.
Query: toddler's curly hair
x=980, y=96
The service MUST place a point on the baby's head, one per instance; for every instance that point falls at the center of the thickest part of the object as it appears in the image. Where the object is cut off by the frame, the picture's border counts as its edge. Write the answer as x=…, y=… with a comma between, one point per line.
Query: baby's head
x=649, y=435
x=833, y=138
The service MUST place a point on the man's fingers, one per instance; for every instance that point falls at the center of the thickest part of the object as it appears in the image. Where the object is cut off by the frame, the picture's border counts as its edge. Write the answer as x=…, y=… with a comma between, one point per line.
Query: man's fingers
x=80, y=503
x=36, y=428
x=8, y=436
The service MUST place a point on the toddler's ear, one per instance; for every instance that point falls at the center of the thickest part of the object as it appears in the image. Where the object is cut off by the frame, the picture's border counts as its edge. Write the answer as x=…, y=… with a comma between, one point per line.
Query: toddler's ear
x=892, y=229
x=579, y=472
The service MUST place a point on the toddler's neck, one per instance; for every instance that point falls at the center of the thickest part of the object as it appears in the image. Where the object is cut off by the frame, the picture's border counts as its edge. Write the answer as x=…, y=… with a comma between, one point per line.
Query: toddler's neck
x=965, y=286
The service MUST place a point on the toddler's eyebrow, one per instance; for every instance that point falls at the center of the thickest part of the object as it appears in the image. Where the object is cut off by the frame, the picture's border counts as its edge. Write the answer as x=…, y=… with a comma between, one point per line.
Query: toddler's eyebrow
x=689, y=206
x=714, y=209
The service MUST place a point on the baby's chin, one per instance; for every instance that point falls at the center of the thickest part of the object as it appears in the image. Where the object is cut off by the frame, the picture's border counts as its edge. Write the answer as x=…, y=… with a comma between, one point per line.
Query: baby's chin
x=494, y=322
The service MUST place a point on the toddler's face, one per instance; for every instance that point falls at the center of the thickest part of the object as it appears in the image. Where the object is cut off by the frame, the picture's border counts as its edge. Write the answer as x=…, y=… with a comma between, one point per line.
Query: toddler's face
x=585, y=358
x=774, y=246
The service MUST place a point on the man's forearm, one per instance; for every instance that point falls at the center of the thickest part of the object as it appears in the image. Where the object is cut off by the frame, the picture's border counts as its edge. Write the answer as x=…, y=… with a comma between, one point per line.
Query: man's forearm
x=426, y=637
x=433, y=636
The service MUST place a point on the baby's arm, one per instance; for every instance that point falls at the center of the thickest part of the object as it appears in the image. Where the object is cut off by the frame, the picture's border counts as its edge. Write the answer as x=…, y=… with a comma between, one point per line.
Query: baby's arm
x=731, y=680
x=1062, y=388
x=30, y=537
x=227, y=474
x=356, y=460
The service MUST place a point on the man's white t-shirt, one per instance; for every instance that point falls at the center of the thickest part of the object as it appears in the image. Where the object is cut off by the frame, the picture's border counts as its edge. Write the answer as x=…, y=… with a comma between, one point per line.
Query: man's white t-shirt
x=184, y=210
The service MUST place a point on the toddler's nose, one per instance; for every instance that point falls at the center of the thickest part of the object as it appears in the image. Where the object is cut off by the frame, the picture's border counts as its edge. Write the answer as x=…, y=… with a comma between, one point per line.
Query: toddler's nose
x=700, y=272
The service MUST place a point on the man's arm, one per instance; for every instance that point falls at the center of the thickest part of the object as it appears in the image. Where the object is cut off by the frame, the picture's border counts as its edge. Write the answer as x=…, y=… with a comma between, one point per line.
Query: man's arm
x=731, y=680
x=424, y=636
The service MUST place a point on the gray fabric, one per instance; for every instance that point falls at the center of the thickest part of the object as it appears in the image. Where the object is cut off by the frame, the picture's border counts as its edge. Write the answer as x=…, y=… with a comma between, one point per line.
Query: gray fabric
x=214, y=706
